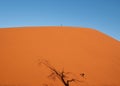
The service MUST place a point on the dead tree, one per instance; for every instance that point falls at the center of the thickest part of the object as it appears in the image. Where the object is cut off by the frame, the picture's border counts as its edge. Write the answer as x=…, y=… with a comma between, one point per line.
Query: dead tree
x=62, y=76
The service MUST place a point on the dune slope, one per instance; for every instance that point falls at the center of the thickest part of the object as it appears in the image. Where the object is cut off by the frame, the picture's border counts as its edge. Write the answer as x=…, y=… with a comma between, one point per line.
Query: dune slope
x=74, y=49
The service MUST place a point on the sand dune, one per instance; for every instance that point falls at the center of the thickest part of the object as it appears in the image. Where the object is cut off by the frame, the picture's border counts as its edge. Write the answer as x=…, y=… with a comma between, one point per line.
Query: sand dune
x=74, y=49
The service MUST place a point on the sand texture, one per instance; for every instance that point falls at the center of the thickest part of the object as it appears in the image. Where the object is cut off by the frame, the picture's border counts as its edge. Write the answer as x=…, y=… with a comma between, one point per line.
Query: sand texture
x=77, y=50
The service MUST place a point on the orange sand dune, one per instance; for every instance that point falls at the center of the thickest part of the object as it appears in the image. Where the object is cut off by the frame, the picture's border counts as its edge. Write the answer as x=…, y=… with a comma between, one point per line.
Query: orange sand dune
x=74, y=49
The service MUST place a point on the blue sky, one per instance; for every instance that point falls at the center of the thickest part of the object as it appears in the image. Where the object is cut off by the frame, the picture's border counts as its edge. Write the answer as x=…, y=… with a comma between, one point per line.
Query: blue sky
x=103, y=15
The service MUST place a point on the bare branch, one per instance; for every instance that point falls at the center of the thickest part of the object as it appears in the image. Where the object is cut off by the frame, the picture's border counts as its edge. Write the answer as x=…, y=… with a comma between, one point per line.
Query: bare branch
x=62, y=76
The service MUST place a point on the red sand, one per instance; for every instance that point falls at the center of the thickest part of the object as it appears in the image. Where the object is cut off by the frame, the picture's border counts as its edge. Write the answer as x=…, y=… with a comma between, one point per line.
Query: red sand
x=76, y=49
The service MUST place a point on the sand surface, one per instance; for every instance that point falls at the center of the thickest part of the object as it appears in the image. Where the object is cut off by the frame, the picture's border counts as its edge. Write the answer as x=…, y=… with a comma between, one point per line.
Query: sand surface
x=77, y=50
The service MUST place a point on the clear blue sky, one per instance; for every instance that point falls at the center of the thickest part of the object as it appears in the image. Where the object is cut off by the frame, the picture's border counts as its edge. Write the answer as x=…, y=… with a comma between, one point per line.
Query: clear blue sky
x=103, y=15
